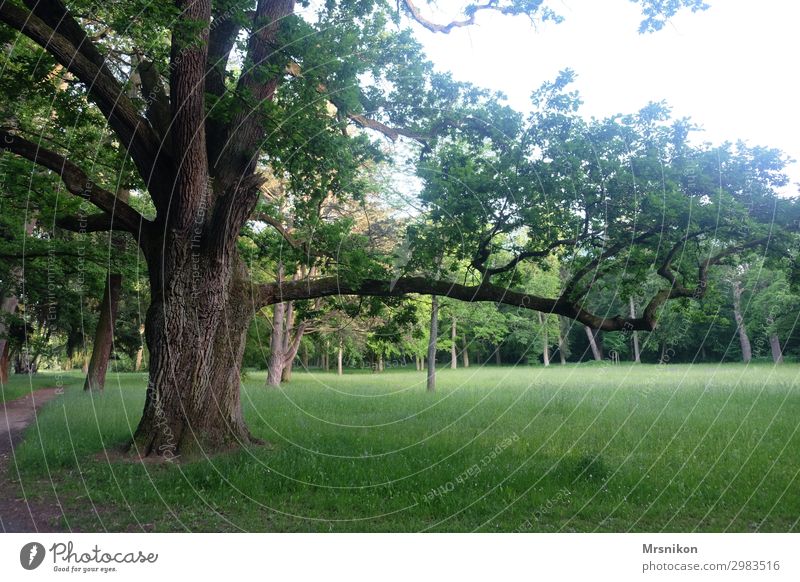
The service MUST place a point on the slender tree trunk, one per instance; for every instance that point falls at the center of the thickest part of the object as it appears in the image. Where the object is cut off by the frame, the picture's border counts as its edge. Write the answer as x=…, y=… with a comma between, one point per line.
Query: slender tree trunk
x=4, y=362
x=636, y=354
x=744, y=339
x=140, y=352
x=663, y=357
x=453, y=350
x=104, y=335
x=432, y=337
x=561, y=355
x=7, y=308
x=497, y=359
x=775, y=346
x=591, y=334
x=380, y=363
x=276, y=344
x=545, y=339
x=340, y=353
x=465, y=353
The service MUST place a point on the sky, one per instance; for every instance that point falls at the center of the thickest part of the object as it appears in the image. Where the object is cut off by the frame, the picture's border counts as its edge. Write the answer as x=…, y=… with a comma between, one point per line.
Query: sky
x=733, y=68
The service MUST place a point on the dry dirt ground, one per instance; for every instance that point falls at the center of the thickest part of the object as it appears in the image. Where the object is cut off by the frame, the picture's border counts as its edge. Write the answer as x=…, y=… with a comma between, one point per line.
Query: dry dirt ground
x=18, y=514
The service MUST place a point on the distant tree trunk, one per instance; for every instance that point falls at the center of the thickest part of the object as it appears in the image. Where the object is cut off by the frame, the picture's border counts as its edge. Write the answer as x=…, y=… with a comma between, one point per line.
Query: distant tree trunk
x=275, y=365
x=7, y=308
x=453, y=350
x=326, y=365
x=339, y=355
x=498, y=360
x=140, y=351
x=304, y=357
x=434, y=333
x=662, y=359
x=465, y=353
x=4, y=363
x=598, y=356
x=104, y=334
x=775, y=345
x=744, y=340
x=380, y=362
x=636, y=354
x=545, y=339
x=561, y=355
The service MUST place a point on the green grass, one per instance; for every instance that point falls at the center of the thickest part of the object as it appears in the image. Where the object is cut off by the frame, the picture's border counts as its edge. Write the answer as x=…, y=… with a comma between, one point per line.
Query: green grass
x=20, y=385
x=576, y=448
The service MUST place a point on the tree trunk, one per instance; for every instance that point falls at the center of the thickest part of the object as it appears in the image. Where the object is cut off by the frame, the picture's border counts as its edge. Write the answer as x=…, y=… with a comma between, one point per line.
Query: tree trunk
x=7, y=308
x=276, y=345
x=775, y=345
x=340, y=353
x=545, y=339
x=465, y=353
x=453, y=350
x=663, y=357
x=497, y=359
x=636, y=354
x=434, y=333
x=561, y=355
x=104, y=334
x=140, y=352
x=598, y=356
x=744, y=339
x=196, y=329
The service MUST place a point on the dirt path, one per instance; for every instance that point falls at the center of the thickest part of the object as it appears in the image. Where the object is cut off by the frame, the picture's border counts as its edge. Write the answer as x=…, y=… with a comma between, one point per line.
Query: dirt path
x=16, y=514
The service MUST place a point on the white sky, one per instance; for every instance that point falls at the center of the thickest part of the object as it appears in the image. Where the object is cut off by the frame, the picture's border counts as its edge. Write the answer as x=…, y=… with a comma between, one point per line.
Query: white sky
x=733, y=68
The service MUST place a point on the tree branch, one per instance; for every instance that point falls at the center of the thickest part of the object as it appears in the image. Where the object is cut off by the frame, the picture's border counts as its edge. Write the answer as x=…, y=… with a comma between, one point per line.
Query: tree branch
x=93, y=223
x=76, y=181
x=272, y=293
x=135, y=134
x=470, y=20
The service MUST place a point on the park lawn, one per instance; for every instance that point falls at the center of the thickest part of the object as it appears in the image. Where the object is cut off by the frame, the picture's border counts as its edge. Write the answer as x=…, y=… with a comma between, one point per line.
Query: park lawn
x=20, y=385
x=573, y=448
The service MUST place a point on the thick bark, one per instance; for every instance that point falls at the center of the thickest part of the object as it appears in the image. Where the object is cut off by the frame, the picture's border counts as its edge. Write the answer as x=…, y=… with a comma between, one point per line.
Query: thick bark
x=104, y=334
x=775, y=346
x=432, y=336
x=453, y=350
x=465, y=354
x=598, y=355
x=744, y=339
x=196, y=329
x=636, y=355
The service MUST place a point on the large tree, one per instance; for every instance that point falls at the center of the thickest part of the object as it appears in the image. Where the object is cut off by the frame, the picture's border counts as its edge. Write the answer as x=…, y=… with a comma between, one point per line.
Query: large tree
x=231, y=88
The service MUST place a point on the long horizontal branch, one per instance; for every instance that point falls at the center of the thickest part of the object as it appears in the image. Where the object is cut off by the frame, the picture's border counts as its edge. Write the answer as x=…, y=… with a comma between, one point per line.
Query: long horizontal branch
x=271, y=293
x=76, y=181
x=102, y=222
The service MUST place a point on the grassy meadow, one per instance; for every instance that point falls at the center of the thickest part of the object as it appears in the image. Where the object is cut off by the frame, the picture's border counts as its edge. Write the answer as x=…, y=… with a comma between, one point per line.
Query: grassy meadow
x=574, y=448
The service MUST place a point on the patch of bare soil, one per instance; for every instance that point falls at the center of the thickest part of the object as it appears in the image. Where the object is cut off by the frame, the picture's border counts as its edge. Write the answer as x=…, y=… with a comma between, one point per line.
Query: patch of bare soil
x=18, y=514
